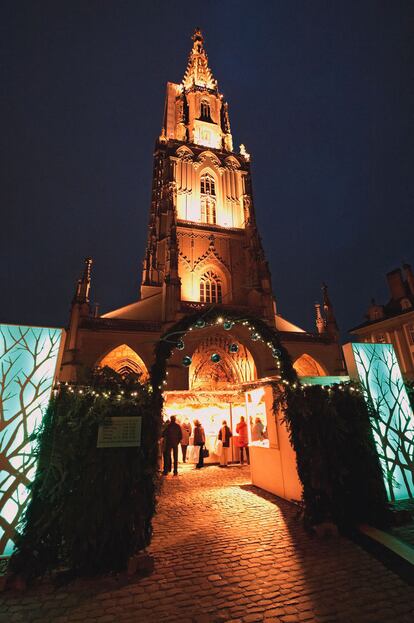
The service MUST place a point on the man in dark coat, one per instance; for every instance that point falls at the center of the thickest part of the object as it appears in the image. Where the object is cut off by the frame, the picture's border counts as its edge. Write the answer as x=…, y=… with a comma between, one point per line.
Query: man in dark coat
x=172, y=436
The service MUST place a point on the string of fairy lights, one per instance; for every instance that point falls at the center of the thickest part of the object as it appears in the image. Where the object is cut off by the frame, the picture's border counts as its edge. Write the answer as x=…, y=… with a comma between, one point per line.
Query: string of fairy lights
x=227, y=324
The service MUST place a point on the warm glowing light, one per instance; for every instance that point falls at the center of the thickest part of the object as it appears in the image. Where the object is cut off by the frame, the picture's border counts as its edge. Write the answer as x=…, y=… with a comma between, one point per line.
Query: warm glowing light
x=308, y=366
x=124, y=360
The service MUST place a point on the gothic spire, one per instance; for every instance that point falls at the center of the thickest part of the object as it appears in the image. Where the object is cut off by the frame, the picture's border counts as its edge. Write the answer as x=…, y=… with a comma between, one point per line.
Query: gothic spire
x=198, y=73
x=330, y=320
x=84, y=283
x=319, y=321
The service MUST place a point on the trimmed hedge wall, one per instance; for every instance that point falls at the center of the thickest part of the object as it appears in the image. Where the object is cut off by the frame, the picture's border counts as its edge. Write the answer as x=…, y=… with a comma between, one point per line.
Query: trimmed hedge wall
x=91, y=508
x=337, y=460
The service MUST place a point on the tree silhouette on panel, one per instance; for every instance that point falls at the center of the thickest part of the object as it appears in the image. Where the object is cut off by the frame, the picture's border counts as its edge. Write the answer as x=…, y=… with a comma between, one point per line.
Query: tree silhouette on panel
x=392, y=416
x=28, y=357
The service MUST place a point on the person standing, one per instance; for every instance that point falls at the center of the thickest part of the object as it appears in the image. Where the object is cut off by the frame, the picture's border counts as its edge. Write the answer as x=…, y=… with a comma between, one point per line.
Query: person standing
x=199, y=440
x=172, y=436
x=257, y=430
x=224, y=436
x=186, y=431
x=241, y=430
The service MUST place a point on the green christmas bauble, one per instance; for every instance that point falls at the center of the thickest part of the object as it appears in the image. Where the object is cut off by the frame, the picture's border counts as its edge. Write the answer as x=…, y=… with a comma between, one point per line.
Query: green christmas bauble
x=276, y=353
x=200, y=323
x=233, y=348
x=254, y=336
x=215, y=357
x=227, y=325
x=180, y=345
x=186, y=361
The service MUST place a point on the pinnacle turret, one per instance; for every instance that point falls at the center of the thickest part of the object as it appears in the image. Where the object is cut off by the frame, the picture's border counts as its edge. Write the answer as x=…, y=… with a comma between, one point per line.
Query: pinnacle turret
x=84, y=283
x=198, y=73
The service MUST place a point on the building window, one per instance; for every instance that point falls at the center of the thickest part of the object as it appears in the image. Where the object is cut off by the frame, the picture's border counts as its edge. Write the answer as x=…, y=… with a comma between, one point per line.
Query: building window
x=208, y=185
x=205, y=110
x=208, y=210
x=208, y=199
x=210, y=288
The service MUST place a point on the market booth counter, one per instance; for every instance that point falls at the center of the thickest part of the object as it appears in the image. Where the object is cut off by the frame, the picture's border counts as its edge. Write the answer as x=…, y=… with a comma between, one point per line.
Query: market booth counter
x=272, y=458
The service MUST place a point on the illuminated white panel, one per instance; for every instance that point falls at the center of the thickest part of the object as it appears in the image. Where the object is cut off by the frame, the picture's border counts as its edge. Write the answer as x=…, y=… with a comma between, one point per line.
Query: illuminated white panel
x=28, y=360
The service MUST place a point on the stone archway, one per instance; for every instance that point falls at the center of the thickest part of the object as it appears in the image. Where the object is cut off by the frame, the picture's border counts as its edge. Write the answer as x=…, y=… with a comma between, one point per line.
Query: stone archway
x=124, y=360
x=306, y=365
x=230, y=370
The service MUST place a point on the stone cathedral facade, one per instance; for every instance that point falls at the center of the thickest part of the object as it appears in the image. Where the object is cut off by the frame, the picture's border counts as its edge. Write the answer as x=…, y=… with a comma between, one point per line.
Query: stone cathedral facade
x=203, y=249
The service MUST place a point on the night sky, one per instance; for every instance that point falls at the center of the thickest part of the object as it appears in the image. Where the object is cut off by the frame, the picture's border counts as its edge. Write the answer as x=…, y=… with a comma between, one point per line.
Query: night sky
x=321, y=93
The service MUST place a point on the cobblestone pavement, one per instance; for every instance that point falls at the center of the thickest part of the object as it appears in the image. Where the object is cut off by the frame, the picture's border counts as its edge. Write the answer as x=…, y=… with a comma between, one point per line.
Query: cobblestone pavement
x=406, y=531
x=226, y=552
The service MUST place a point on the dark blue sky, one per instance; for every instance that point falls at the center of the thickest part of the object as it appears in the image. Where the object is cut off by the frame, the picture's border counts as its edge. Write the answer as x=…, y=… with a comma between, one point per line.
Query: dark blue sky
x=321, y=93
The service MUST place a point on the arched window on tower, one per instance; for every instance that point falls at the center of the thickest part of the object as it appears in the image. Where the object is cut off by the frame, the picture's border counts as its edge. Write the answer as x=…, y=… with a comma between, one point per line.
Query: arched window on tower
x=205, y=111
x=210, y=288
x=208, y=198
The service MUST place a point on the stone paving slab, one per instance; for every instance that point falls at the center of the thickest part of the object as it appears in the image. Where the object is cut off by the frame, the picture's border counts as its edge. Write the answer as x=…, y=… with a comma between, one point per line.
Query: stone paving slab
x=405, y=532
x=225, y=552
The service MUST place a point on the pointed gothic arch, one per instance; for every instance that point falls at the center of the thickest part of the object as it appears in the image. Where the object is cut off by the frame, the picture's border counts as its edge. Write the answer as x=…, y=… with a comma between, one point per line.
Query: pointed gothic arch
x=124, y=360
x=185, y=152
x=212, y=270
x=305, y=365
x=208, y=198
x=210, y=288
x=229, y=370
x=206, y=156
x=232, y=162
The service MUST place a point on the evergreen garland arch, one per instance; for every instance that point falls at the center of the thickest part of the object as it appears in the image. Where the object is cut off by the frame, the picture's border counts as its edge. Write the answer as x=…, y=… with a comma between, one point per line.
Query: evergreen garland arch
x=329, y=427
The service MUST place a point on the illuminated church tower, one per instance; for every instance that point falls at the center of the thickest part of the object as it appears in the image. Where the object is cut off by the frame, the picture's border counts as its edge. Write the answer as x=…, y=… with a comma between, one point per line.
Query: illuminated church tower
x=203, y=245
x=203, y=249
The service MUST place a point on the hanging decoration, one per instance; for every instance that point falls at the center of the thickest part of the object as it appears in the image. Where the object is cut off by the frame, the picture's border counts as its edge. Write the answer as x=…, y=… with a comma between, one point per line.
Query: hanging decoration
x=227, y=325
x=233, y=348
x=180, y=345
x=186, y=361
x=200, y=323
x=215, y=358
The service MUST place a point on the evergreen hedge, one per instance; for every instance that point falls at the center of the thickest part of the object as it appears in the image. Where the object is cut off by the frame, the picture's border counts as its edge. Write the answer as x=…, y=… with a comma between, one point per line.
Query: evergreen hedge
x=337, y=460
x=91, y=508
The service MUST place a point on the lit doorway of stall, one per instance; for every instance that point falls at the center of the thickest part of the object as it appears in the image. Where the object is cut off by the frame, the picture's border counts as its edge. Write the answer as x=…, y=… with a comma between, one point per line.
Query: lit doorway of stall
x=223, y=386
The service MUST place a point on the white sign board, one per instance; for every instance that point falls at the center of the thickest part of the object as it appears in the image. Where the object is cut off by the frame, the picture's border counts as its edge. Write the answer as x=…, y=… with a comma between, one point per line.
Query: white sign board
x=120, y=432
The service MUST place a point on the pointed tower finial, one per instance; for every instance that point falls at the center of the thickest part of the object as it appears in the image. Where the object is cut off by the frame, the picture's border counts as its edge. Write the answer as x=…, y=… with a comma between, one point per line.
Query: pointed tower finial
x=84, y=283
x=198, y=73
x=330, y=320
x=197, y=35
x=319, y=321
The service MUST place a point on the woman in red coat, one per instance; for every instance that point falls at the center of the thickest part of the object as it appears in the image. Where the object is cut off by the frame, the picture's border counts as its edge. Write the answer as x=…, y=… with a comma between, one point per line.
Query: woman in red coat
x=241, y=430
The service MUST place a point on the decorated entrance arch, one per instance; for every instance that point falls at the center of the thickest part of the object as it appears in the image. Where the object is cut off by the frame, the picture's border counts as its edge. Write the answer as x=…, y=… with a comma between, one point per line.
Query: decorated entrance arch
x=329, y=426
x=208, y=364
x=175, y=339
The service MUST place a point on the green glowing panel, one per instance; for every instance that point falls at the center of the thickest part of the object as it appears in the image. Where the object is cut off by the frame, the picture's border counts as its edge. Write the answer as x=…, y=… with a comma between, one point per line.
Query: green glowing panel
x=28, y=359
x=323, y=380
x=393, y=422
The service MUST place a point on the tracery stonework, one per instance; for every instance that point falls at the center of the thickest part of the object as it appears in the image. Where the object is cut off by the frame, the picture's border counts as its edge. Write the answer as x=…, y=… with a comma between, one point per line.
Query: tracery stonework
x=126, y=361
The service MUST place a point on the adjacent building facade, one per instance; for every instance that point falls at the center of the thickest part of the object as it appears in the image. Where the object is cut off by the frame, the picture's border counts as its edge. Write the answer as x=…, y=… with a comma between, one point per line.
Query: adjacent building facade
x=393, y=322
